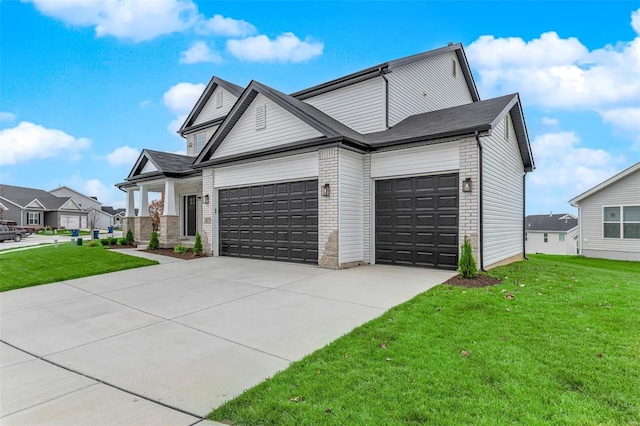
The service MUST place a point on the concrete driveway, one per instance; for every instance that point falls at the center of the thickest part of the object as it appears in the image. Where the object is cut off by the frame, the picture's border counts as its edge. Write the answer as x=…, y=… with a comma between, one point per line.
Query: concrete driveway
x=166, y=344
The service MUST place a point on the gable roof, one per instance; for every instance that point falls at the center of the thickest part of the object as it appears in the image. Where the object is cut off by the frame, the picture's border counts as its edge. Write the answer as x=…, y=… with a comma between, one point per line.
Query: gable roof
x=550, y=222
x=575, y=201
x=165, y=163
x=23, y=197
x=323, y=123
x=234, y=89
x=111, y=211
x=94, y=199
x=387, y=67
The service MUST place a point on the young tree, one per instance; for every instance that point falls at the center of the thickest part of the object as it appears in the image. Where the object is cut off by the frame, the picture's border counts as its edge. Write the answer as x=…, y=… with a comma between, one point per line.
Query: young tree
x=156, y=208
x=154, y=244
x=197, y=246
x=92, y=220
x=467, y=264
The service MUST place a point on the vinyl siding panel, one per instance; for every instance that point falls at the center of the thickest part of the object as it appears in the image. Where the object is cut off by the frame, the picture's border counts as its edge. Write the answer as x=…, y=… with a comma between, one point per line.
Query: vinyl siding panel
x=211, y=112
x=535, y=243
x=84, y=202
x=350, y=207
x=281, y=128
x=427, y=159
x=621, y=193
x=295, y=167
x=360, y=106
x=502, y=196
x=191, y=139
x=424, y=86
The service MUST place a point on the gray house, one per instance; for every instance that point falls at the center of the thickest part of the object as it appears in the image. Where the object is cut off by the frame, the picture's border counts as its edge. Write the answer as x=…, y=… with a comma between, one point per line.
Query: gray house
x=38, y=208
x=393, y=164
x=609, y=215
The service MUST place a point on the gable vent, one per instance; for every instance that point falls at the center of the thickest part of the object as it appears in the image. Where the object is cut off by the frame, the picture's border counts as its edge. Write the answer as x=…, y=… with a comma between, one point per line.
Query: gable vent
x=261, y=116
x=219, y=99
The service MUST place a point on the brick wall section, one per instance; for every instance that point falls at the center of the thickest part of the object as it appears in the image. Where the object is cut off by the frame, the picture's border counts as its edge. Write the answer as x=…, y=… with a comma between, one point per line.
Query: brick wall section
x=469, y=214
x=328, y=209
x=143, y=226
x=366, y=205
x=128, y=223
x=207, y=232
x=169, y=231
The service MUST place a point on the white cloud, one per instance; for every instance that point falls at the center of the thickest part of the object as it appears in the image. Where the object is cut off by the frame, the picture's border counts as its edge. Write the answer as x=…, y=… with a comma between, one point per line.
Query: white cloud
x=625, y=121
x=29, y=141
x=228, y=27
x=181, y=97
x=7, y=116
x=548, y=121
x=137, y=20
x=123, y=156
x=199, y=52
x=146, y=104
x=285, y=48
x=559, y=72
x=176, y=123
x=108, y=195
x=562, y=163
x=635, y=21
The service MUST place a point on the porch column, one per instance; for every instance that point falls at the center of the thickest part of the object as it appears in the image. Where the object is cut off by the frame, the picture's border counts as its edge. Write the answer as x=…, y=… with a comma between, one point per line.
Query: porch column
x=144, y=201
x=128, y=222
x=131, y=210
x=169, y=198
x=143, y=222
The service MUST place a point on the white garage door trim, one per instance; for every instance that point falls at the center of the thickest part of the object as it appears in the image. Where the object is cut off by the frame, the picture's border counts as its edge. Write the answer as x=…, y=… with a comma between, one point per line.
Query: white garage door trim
x=69, y=221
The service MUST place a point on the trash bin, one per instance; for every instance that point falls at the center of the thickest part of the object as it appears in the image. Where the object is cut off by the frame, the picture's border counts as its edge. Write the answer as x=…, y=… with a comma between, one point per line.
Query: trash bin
x=79, y=241
x=96, y=234
x=110, y=229
x=75, y=232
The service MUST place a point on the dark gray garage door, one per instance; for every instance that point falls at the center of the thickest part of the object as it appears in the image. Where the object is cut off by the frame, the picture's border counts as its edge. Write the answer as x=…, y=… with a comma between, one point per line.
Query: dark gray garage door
x=417, y=221
x=277, y=221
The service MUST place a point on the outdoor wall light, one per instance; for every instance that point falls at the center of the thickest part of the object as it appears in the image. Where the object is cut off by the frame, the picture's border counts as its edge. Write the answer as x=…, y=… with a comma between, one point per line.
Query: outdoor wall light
x=206, y=199
x=466, y=185
x=326, y=190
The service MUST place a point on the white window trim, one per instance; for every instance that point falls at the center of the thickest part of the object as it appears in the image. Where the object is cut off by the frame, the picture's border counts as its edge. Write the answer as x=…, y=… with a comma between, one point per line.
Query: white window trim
x=29, y=215
x=621, y=222
x=545, y=237
x=204, y=141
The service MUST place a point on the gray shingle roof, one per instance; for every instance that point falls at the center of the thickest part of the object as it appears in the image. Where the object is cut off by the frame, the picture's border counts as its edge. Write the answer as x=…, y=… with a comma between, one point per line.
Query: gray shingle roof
x=170, y=163
x=22, y=196
x=549, y=222
x=110, y=210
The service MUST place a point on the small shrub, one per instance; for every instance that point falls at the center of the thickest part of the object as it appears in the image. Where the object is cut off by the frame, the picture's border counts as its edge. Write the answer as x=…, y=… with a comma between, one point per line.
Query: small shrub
x=154, y=244
x=128, y=239
x=197, y=246
x=112, y=241
x=92, y=243
x=105, y=241
x=119, y=241
x=467, y=264
x=180, y=249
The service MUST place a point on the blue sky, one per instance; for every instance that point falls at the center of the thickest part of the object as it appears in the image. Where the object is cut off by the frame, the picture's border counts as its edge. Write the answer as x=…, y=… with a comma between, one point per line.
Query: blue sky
x=86, y=85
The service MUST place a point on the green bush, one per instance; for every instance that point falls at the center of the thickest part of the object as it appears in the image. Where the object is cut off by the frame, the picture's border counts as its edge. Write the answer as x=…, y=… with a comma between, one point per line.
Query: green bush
x=112, y=241
x=467, y=264
x=154, y=244
x=105, y=241
x=197, y=247
x=128, y=239
x=180, y=249
x=119, y=241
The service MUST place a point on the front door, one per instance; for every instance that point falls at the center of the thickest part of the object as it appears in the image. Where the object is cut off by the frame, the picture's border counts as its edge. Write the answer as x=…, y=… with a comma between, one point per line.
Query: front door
x=189, y=215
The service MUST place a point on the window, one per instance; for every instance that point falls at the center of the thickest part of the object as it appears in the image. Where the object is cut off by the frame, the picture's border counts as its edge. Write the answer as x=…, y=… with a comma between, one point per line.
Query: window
x=621, y=222
x=33, y=218
x=199, y=141
x=561, y=237
x=546, y=237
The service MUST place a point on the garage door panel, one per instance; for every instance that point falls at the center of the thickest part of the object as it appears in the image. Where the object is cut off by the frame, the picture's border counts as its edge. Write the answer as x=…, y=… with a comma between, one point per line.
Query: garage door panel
x=274, y=221
x=416, y=221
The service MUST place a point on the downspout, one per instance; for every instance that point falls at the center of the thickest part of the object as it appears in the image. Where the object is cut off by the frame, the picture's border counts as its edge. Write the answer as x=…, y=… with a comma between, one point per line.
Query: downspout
x=524, y=215
x=386, y=95
x=480, y=203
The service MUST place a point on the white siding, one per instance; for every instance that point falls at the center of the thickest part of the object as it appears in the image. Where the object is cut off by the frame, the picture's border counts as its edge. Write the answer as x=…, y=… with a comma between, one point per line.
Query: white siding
x=360, y=106
x=436, y=158
x=148, y=168
x=535, y=243
x=85, y=202
x=424, y=86
x=191, y=139
x=282, y=128
x=350, y=207
x=295, y=167
x=503, y=212
x=620, y=193
x=211, y=112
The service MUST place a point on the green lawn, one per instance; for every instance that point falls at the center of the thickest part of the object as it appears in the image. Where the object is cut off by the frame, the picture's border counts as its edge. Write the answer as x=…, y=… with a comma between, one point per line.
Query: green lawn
x=44, y=265
x=558, y=342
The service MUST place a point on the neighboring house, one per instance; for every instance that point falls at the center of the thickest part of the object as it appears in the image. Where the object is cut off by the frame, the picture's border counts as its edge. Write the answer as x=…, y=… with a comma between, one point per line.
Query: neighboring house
x=38, y=208
x=609, y=217
x=551, y=234
x=102, y=216
x=393, y=164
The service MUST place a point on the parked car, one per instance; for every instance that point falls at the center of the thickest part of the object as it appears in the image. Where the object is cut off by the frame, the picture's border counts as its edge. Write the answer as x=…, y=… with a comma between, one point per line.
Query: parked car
x=11, y=234
x=12, y=224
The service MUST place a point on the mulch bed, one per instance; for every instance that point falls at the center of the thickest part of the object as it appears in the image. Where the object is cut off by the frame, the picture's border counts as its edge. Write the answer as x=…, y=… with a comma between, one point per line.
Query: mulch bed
x=169, y=252
x=478, y=281
x=115, y=246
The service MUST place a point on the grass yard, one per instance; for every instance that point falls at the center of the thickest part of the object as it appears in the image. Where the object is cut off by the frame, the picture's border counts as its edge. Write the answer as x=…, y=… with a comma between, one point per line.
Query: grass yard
x=45, y=265
x=558, y=342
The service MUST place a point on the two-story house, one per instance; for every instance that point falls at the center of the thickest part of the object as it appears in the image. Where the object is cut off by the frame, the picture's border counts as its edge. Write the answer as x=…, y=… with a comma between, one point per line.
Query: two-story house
x=393, y=164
